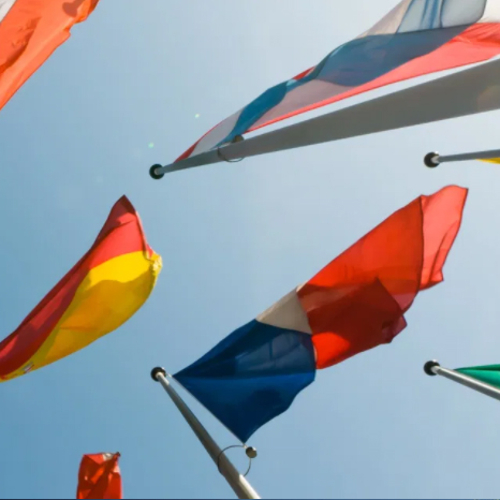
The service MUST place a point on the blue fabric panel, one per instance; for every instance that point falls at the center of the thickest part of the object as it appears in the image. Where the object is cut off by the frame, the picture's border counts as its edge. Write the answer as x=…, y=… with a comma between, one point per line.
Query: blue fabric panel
x=252, y=376
x=365, y=59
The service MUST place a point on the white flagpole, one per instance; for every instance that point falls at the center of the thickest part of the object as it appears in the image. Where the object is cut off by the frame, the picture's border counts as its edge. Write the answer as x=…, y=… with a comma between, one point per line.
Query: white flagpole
x=432, y=160
x=468, y=92
x=238, y=482
x=434, y=368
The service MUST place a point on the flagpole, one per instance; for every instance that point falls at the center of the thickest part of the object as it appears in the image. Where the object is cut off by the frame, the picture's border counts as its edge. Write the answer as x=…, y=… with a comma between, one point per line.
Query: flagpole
x=237, y=481
x=432, y=160
x=460, y=94
x=433, y=368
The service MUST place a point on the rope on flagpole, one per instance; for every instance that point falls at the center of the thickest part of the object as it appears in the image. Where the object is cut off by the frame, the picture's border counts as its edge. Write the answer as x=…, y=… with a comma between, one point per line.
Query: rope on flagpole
x=250, y=452
x=237, y=481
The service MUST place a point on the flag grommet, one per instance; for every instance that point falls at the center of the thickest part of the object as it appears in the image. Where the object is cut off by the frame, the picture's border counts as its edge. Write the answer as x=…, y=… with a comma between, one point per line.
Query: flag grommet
x=429, y=366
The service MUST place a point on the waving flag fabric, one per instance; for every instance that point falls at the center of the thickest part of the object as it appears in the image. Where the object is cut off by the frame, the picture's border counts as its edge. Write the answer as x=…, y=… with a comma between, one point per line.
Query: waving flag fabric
x=417, y=37
x=99, y=477
x=355, y=303
x=102, y=291
x=30, y=30
x=489, y=374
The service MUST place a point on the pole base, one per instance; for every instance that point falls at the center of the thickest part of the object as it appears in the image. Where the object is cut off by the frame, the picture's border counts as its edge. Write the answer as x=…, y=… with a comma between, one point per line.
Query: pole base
x=152, y=172
x=429, y=366
x=431, y=160
x=156, y=371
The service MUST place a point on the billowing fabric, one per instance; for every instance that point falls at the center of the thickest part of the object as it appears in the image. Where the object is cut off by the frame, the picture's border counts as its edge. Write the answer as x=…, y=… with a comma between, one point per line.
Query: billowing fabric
x=492, y=160
x=99, y=477
x=489, y=374
x=102, y=291
x=354, y=304
x=417, y=37
x=30, y=31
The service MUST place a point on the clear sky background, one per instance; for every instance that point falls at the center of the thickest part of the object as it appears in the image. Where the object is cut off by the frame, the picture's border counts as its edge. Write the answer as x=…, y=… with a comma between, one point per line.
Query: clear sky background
x=234, y=238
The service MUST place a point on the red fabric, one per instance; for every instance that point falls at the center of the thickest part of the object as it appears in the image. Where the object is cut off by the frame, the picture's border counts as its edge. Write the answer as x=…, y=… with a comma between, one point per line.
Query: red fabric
x=121, y=234
x=358, y=300
x=99, y=477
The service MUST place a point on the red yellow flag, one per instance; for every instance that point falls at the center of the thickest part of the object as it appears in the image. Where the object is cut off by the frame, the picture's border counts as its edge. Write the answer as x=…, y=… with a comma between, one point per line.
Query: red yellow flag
x=30, y=31
x=99, y=477
x=102, y=291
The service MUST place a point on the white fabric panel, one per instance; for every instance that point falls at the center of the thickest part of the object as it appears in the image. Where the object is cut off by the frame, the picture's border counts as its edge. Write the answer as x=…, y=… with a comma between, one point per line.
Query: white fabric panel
x=286, y=313
x=492, y=12
x=390, y=23
x=304, y=95
x=5, y=6
x=216, y=135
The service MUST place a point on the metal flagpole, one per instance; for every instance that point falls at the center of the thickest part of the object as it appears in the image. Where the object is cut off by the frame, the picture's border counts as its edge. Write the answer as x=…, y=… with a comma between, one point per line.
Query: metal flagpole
x=434, y=368
x=238, y=482
x=468, y=92
x=432, y=160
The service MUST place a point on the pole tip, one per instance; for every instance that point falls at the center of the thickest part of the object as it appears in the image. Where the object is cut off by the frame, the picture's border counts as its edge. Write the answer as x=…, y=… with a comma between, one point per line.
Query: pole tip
x=429, y=366
x=156, y=371
x=431, y=160
x=251, y=452
x=153, y=173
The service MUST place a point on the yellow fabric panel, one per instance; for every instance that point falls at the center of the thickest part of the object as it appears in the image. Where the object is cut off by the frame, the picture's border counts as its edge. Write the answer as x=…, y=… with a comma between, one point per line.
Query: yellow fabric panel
x=108, y=296
x=492, y=160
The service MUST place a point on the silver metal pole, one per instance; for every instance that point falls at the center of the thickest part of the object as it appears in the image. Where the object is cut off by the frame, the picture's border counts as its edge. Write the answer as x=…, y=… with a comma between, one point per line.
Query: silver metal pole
x=432, y=160
x=238, y=482
x=463, y=93
x=434, y=368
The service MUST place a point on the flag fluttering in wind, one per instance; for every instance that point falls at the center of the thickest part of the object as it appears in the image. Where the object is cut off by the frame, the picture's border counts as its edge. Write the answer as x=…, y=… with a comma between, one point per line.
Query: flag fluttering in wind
x=355, y=303
x=99, y=477
x=415, y=38
x=102, y=291
x=30, y=31
x=489, y=374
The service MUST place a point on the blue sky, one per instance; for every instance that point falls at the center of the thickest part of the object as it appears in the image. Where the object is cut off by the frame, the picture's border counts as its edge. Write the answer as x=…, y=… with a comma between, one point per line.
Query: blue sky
x=234, y=238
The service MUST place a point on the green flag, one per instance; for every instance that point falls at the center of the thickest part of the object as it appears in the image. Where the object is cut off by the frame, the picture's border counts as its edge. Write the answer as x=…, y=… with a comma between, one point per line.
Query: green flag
x=489, y=374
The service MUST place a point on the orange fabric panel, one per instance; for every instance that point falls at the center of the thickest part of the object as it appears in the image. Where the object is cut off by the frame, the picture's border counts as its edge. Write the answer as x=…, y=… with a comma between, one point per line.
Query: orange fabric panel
x=29, y=34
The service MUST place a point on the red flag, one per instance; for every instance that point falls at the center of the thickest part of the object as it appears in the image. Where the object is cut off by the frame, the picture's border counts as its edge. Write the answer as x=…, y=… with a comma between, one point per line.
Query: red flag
x=99, y=477
x=358, y=300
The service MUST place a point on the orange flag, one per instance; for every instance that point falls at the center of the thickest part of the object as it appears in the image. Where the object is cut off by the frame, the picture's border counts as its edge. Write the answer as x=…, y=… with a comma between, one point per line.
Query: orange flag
x=102, y=291
x=99, y=477
x=30, y=31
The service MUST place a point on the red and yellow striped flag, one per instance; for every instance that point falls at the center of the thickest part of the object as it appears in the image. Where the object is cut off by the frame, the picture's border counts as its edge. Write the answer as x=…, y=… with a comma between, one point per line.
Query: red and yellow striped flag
x=102, y=291
x=30, y=31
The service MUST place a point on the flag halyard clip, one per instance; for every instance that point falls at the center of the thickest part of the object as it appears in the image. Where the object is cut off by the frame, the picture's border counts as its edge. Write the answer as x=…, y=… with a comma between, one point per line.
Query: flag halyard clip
x=236, y=139
x=250, y=452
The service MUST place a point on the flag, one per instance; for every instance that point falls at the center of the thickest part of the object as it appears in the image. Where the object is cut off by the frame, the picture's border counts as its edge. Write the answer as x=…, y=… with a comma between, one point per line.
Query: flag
x=417, y=37
x=30, y=31
x=100, y=293
x=492, y=160
x=99, y=477
x=355, y=303
x=489, y=374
